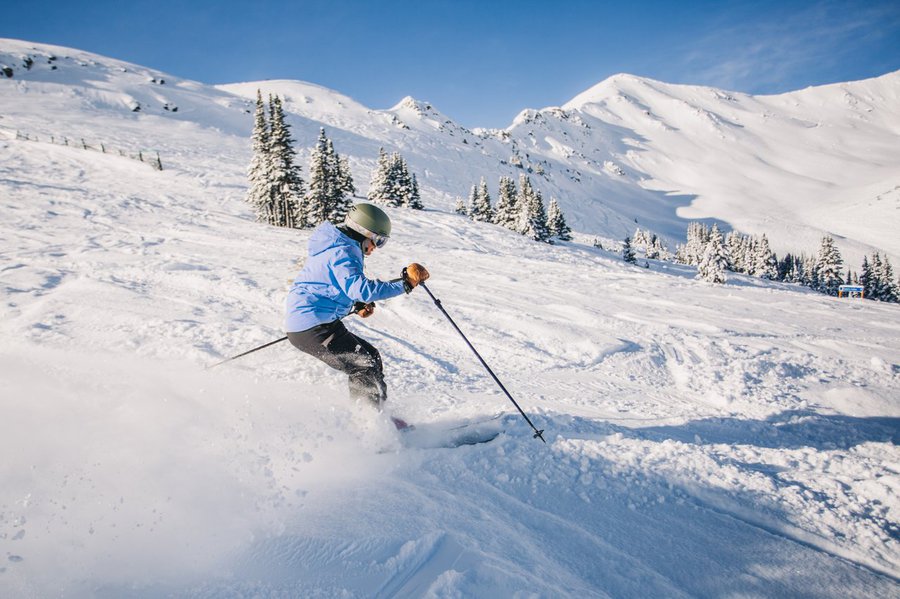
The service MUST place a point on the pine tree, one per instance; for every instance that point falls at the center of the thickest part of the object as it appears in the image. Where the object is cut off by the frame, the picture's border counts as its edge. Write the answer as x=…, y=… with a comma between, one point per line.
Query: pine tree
x=506, y=210
x=734, y=244
x=535, y=219
x=392, y=183
x=829, y=266
x=697, y=238
x=461, y=207
x=320, y=182
x=380, y=185
x=715, y=259
x=765, y=263
x=344, y=189
x=866, y=278
x=415, y=198
x=330, y=184
x=259, y=171
x=285, y=183
x=810, y=272
x=888, y=291
x=480, y=204
x=523, y=200
x=628, y=251
x=556, y=222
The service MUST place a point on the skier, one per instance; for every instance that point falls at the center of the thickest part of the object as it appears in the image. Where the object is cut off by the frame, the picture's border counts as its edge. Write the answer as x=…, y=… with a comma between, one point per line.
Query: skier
x=332, y=285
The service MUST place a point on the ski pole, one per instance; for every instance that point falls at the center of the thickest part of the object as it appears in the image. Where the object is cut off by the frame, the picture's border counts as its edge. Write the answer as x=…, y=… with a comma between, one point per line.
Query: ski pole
x=538, y=434
x=247, y=352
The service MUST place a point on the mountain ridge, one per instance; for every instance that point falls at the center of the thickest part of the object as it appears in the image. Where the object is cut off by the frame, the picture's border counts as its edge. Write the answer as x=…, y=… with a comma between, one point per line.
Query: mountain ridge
x=627, y=152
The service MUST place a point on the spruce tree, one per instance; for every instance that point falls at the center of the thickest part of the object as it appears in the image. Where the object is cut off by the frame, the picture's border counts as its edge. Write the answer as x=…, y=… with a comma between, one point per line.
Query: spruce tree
x=341, y=201
x=259, y=171
x=534, y=218
x=330, y=184
x=889, y=291
x=379, y=186
x=765, y=263
x=480, y=203
x=734, y=245
x=461, y=207
x=320, y=182
x=285, y=183
x=714, y=262
x=392, y=183
x=556, y=222
x=829, y=266
x=866, y=278
x=505, y=212
x=628, y=251
x=415, y=198
x=523, y=199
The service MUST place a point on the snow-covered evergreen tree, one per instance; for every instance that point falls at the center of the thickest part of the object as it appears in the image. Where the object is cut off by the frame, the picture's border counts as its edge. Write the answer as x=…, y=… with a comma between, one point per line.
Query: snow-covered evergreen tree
x=286, y=185
x=534, y=218
x=415, y=198
x=866, y=278
x=734, y=244
x=342, y=201
x=392, y=183
x=330, y=184
x=380, y=187
x=461, y=207
x=697, y=238
x=259, y=172
x=480, y=209
x=829, y=267
x=506, y=210
x=765, y=262
x=810, y=272
x=886, y=288
x=556, y=222
x=628, y=251
x=714, y=262
x=321, y=181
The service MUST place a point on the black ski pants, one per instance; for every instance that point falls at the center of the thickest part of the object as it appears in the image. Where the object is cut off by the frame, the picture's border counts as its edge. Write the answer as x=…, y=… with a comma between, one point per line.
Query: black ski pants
x=333, y=344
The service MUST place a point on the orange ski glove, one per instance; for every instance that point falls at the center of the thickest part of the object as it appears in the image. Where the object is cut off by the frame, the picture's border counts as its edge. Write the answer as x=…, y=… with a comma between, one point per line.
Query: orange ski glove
x=413, y=275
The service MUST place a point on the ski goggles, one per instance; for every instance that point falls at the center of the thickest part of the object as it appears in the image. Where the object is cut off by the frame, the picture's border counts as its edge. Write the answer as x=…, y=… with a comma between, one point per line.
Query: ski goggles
x=377, y=239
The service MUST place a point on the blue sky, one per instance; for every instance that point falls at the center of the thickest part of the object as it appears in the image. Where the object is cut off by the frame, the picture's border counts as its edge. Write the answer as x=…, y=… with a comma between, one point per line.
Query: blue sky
x=481, y=62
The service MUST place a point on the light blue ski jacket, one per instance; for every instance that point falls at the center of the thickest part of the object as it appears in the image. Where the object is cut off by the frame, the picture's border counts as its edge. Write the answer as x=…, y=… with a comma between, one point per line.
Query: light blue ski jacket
x=331, y=281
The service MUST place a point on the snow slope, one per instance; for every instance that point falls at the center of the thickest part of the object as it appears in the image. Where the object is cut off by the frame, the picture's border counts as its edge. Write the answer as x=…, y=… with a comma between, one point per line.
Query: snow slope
x=628, y=152
x=708, y=441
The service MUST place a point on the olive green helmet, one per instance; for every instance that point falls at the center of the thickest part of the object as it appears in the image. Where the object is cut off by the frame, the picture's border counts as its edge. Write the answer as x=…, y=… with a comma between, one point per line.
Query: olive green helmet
x=371, y=222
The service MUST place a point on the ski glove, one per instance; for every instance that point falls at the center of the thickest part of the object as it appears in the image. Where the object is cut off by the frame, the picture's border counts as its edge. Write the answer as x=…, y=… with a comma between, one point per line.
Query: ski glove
x=413, y=275
x=363, y=309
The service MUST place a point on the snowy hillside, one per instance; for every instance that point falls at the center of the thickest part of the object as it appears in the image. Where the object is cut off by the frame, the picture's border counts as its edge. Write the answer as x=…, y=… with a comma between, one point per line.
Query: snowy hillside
x=629, y=152
x=703, y=441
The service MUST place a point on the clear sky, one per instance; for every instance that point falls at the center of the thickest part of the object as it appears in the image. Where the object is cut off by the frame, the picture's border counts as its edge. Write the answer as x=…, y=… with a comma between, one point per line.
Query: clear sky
x=479, y=61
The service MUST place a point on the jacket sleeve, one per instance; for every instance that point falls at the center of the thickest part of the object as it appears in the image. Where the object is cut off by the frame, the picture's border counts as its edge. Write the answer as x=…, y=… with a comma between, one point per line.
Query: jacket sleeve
x=348, y=276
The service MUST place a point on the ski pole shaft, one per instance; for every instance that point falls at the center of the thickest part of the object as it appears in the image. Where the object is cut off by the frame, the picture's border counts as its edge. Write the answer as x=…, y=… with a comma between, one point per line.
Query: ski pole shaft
x=538, y=434
x=247, y=352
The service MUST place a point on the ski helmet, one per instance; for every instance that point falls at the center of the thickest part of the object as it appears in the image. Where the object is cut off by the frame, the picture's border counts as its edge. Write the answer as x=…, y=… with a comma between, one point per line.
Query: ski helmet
x=371, y=222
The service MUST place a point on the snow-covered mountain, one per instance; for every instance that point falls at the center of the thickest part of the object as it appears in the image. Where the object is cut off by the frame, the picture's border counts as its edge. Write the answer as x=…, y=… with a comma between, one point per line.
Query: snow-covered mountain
x=703, y=441
x=628, y=152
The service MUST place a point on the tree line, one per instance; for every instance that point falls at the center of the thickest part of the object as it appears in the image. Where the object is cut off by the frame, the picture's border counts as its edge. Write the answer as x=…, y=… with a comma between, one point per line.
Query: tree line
x=281, y=197
x=520, y=209
x=714, y=254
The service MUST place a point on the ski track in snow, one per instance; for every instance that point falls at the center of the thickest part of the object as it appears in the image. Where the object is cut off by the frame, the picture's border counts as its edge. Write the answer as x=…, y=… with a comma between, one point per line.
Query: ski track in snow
x=703, y=441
